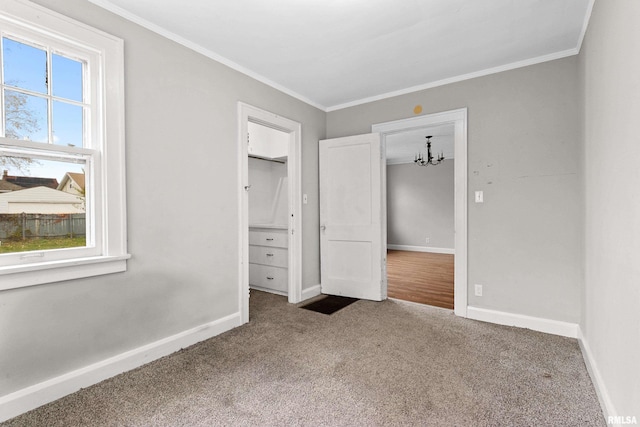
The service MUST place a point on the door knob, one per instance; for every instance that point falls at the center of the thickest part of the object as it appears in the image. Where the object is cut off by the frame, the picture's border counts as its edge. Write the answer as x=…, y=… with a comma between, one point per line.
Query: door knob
x=323, y=227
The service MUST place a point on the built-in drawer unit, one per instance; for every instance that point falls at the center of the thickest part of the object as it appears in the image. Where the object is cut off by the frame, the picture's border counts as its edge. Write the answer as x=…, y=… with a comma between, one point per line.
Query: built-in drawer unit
x=273, y=238
x=265, y=255
x=268, y=259
x=267, y=277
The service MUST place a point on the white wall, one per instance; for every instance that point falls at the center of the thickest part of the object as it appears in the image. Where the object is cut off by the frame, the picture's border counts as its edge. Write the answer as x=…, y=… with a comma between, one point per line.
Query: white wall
x=524, y=242
x=420, y=204
x=183, y=219
x=610, y=75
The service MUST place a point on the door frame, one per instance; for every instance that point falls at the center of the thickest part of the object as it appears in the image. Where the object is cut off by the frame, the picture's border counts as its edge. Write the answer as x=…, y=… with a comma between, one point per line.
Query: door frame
x=459, y=119
x=248, y=113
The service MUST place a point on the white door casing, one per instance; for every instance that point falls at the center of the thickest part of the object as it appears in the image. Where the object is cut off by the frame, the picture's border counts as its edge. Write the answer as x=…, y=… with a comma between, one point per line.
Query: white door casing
x=459, y=119
x=351, y=243
x=247, y=113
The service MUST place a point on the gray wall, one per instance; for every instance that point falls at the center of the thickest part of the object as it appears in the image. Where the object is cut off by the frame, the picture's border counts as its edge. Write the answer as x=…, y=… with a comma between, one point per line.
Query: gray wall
x=523, y=152
x=610, y=66
x=181, y=147
x=420, y=205
x=525, y=241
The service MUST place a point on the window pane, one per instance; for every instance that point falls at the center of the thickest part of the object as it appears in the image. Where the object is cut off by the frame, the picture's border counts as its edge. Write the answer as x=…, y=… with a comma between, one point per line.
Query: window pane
x=25, y=116
x=67, y=124
x=24, y=66
x=66, y=78
x=42, y=205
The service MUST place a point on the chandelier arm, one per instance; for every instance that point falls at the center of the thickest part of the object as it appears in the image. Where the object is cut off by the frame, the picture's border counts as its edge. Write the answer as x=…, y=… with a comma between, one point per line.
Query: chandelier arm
x=430, y=159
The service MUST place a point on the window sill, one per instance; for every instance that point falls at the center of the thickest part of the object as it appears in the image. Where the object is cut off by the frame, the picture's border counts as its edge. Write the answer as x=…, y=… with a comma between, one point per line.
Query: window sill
x=21, y=276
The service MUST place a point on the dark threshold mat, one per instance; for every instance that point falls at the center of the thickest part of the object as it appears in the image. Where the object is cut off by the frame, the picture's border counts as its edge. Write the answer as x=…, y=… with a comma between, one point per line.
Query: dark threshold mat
x=329, y=304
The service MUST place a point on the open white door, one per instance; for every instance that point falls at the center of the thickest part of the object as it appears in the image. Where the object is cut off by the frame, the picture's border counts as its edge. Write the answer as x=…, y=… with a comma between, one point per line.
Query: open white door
x=351, y=249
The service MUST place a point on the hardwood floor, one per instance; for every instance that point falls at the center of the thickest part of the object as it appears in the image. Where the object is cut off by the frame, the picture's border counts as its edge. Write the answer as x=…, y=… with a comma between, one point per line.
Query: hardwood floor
x=421, y=277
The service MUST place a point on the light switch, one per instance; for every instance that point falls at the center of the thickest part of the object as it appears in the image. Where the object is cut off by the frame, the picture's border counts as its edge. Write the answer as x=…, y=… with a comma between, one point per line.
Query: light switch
x=479, y=197
x=304, y=199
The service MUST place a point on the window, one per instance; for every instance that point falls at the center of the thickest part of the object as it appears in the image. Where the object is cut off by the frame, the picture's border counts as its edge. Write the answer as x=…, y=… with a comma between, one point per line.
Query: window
x=62, y=201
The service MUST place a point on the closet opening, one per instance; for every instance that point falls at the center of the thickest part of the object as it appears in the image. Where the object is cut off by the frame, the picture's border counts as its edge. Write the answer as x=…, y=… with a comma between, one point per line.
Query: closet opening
x=268, y=150
x=270, y=232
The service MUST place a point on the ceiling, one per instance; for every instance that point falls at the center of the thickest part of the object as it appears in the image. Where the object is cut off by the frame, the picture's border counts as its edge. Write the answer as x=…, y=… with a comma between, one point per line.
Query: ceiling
x=337, y=53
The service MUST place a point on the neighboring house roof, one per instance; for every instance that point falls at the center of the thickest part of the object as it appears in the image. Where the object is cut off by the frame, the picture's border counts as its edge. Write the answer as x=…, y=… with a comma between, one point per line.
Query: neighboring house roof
x=77, y=178
x=6, y=186
x=30, y=181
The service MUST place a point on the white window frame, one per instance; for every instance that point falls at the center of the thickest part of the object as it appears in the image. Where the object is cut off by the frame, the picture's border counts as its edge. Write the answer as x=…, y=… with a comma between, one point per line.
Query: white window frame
x=106, y=250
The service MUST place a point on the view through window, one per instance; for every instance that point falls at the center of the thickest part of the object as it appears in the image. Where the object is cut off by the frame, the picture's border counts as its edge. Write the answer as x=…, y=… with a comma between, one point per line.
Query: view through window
x=43, y=190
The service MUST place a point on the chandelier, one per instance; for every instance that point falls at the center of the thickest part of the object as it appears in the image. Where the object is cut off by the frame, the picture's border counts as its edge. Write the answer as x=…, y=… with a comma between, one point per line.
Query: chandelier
x=420, y=160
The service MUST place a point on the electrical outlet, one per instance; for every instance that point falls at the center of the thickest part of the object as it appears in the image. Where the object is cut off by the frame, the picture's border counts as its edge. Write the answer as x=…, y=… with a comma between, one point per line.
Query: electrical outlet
x=478, y=290
x=428, y=240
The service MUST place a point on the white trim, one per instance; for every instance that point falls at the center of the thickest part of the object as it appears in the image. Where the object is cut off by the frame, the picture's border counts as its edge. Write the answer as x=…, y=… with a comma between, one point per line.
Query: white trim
x=311, y=292
x=248, y=113
x=243, y=215
x=456, y=79
x=421, y=249
x=36, y=395
x=606, y=403
x=459, y=119
x=383, y=205
x=105, y=4
x=585, y=25
x=540, y=324
x=460, y=208
x=105, y=156
x=21, y=276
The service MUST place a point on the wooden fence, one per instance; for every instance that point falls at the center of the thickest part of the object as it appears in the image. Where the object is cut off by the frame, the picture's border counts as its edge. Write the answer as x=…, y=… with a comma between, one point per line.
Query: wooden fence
x=26, y=226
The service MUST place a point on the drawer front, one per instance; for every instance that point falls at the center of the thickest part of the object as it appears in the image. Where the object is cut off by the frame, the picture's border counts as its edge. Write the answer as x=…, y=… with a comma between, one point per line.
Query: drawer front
x=268, y=277
x=277, y=239
x=266, y=255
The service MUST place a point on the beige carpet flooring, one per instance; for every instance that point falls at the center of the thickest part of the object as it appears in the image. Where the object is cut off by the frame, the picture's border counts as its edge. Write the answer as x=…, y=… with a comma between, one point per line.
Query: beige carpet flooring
x=370, y=364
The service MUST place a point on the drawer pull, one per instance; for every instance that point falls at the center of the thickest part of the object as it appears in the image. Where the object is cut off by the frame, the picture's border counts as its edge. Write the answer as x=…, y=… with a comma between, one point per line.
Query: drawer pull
x=269, y=278
x=269, y=254
x=269, y=239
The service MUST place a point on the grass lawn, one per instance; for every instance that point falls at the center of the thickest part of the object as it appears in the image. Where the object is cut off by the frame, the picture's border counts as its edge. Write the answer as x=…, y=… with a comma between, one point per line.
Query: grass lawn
x=8, y=246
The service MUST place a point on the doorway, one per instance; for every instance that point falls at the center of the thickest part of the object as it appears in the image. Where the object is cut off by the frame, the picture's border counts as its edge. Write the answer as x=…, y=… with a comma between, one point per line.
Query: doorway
x=457, y=119
x=420, y=216
x=283, y=235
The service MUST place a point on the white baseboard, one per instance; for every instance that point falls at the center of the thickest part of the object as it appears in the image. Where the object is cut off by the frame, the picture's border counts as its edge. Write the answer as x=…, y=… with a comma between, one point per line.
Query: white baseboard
x=31, y=397
x=311, y=292
x=598, y=383
x=306, y=293
x=421, y=249
x=539, y=324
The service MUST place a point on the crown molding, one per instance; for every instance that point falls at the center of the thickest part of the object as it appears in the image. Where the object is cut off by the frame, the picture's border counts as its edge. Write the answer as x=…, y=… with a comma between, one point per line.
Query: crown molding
x=456, y=79
x=107, y=5
x=585, y=24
